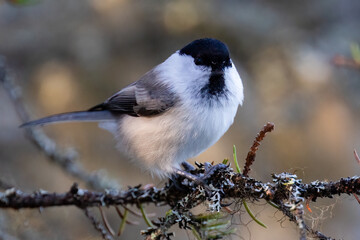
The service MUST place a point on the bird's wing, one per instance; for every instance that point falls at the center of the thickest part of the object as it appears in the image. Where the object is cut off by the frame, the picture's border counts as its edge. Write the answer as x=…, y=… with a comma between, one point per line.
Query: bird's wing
x=146, y=97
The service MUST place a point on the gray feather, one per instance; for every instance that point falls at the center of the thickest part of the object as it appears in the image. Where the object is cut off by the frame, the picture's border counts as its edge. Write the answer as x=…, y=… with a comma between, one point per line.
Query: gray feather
x=146, y=97
x=73, y=117
x=153, y=96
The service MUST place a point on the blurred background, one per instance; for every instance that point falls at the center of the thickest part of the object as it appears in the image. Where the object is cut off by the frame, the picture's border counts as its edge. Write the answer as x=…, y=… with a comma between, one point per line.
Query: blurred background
x=70, y=55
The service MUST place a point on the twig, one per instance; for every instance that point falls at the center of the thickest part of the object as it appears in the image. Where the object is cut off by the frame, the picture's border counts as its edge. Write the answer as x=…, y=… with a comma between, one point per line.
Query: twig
x=106, y=222
x=292, y=217
x=299, y=214
x=253, y=216
x=308, y=204
x=358, y=161
x=235, y=160
x=250, y=158
x=122, y=216
x=97, y=225
x=146, y=219
x=67, y=161
x=357, y=198
x=138, y=214
x=123, y=221
x=356, y=157
x=248, y=210
x=342, y=61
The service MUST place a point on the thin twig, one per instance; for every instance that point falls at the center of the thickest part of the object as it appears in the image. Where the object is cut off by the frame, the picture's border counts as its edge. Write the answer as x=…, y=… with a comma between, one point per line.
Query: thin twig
x=248, y=210
x=308, y=204
x=252, y=215
x=122, y=216
x=356, y=157
x=357, y=198
x=146, y=219
x=138, y=214
x=67, y=161
x=106, y=222
x=123, y=222
x=292, y=217
x=250, y=158
x=97, y=225
x=358, y=161
x=299, y=214
x=342, y=61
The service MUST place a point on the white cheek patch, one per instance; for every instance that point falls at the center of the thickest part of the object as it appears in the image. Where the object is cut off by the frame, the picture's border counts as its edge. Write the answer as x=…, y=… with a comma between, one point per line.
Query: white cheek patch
x=234, y=84
x=184, y=75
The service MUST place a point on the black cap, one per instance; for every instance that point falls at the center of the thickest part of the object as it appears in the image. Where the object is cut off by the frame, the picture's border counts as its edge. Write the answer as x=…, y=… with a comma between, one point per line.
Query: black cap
x=208, y=52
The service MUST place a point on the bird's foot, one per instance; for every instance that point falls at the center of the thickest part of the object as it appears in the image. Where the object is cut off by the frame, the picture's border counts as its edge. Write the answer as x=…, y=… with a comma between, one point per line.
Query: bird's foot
x=187, y=167
x=209, y=169
x=200, y=176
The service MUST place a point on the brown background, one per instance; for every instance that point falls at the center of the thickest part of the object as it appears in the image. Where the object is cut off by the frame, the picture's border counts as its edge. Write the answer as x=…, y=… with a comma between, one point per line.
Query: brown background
x=70, y=55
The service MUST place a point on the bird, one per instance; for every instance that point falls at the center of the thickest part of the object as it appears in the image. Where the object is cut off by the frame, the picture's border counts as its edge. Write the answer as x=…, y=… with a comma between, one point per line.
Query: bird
x=174, y=112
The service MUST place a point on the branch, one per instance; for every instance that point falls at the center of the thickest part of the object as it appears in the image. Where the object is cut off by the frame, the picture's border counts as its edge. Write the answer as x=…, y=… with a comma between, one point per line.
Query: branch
x=313, y=233
x=226, y=185
x=67, y=161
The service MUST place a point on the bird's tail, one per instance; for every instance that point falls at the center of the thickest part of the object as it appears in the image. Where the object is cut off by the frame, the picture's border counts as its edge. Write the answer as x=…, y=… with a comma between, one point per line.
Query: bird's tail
x=84, y=116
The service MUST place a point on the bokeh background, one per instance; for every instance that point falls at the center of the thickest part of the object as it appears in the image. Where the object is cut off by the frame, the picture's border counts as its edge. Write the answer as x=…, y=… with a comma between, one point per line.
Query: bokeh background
x=70, y=55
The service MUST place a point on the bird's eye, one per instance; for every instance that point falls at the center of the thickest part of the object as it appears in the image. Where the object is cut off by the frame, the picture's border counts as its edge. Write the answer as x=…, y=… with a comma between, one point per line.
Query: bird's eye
x=199, y=61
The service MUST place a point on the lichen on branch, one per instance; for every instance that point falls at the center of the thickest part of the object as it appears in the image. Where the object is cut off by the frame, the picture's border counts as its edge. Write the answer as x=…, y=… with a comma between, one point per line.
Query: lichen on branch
x=181, y=195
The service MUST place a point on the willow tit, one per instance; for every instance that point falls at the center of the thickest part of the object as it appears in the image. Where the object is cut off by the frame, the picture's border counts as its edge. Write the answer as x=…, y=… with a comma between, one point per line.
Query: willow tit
x=174, y=112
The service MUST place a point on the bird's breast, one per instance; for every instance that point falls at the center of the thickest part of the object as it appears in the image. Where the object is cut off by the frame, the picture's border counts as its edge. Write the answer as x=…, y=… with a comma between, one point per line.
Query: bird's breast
x=162, y=142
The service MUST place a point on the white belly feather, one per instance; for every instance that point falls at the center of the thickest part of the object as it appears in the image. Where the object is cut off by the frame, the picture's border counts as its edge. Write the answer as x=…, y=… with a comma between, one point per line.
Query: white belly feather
x=161, y=143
